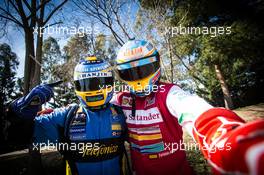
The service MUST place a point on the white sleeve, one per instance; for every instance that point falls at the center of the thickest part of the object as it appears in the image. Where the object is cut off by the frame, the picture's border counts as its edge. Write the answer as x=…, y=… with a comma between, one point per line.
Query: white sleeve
x=185, y=107
x=114, y=99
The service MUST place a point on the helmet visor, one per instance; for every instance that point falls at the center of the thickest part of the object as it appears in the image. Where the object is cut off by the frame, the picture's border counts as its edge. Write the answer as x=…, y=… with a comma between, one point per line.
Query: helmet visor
x=93, y=84
x=139, y=72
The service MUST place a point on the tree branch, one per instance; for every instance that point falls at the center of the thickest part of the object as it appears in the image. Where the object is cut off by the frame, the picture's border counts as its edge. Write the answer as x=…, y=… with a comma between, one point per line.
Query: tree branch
x=27, y=5
x=120, y=25
x=11, y=17
x=14, y=5
x=40, y=6
x=22, y=13
x=60, y=22
x=13, y=20
x=53, y=11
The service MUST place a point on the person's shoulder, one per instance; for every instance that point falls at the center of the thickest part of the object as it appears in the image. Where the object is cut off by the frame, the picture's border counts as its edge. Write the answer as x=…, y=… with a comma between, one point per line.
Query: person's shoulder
x=116, y=108
x=72, y=105
x=45, y=111
x=118, y=96
x=122, y=93
x=168, y=85
x=59, y=110
x=168, y=88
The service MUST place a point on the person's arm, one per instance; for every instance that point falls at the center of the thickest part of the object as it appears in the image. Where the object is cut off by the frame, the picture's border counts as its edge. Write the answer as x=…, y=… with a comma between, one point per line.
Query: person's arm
x=27, y=107
x=47, y=126
x=228, y=143
x=185, y=107
x=21, y=113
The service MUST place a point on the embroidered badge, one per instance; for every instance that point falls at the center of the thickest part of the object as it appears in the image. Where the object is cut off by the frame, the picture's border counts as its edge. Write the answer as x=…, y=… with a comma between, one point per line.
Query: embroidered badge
x=77, y=129
x=149, y=101
x=127, y=101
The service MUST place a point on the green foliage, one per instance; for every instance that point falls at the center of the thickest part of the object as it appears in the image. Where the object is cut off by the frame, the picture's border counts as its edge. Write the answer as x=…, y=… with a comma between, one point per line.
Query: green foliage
x=77, y=47
x=53, y=70
x=195, y=156
x=105, y=48
x=8, y=67
x=9, y=89
x=236, y=48
x=50, y=58
x=238, y=53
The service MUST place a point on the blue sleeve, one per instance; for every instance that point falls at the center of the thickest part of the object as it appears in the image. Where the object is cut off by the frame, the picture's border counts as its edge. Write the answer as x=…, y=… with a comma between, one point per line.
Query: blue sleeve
x=47, y=126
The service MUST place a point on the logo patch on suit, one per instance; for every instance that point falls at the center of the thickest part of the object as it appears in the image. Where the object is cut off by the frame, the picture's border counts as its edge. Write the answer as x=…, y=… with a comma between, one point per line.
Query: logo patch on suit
x=116, y=129
x=77, y=129
x=149, y=116
x=116, y=133
x=149, y=101
x=115, y=116
x=79, y=119
x=126, y=101
x=114, y=113
x=116, y=126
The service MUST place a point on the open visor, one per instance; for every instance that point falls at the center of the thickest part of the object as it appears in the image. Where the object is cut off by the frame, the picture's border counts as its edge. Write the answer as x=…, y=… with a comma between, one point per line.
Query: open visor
x=140, y=72
x=93, y=84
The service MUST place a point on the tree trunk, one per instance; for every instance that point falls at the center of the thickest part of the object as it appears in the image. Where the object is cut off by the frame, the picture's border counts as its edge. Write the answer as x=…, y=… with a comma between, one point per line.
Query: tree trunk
x=225, y=90
x=38, y=59
x=171, y=60
x=29, y=62
x=39, y=46
x=165, y=71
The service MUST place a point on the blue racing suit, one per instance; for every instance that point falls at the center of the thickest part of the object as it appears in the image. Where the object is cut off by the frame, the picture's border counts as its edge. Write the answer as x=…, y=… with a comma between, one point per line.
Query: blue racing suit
x=101, y=131
x=91, y=141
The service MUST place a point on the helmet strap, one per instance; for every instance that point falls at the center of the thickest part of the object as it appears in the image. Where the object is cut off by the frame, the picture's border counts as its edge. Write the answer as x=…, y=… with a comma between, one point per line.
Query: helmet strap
x=133, y=105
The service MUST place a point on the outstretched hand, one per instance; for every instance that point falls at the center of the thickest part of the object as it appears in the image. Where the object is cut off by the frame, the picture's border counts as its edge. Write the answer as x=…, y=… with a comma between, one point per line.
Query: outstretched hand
x=29, y=105
x=38, y=95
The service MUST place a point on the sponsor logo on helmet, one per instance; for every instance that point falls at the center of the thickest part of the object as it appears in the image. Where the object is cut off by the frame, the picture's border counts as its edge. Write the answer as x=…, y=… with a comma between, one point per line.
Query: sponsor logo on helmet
x=134, y=64
x=135, y=51
x=93, y=74
x=155, y=78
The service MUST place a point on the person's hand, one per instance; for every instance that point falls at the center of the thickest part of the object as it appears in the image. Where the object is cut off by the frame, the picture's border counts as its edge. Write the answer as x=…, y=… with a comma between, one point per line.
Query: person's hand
x=29, y=105
x=230, y=145
x=37, y=96
x=245, y=151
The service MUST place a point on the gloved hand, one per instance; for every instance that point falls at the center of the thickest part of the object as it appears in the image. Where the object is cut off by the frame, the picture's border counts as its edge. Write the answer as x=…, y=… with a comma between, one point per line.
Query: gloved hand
x=28, y=106
x=230, y=145
x=246, y=150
